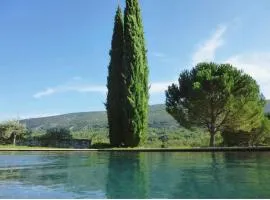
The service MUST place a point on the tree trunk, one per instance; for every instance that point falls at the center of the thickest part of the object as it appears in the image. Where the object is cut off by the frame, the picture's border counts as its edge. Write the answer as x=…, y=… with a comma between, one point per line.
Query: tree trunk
x=14, y=139
x=212, y=140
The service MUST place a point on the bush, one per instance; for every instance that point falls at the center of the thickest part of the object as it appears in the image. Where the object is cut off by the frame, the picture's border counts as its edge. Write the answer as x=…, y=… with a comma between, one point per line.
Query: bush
x=57, y=134
x=255, y=137
x=101, y=145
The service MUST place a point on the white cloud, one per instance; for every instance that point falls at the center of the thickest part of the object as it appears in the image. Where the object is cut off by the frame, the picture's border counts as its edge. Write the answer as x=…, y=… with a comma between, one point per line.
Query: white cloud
x=155, y=87
x=257, y=65
x=159, y=87
x=46, y=92
x=206, y=51
x=71, y=88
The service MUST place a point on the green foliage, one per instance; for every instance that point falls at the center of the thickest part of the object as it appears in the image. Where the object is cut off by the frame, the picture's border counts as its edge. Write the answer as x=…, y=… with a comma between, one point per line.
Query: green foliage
x=136, y=76
x=54, y=137
x=115, y=83
x=215, y=97
x=179, y=137
x=99, y=138
x=57, y=134
x=12, y=130
x=176, y=137
x=261, y=135
x=257, y=136
x=82, y=135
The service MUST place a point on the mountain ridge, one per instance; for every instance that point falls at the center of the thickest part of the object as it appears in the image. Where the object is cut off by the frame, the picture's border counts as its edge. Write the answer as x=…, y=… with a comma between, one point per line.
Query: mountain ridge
x=158, y=118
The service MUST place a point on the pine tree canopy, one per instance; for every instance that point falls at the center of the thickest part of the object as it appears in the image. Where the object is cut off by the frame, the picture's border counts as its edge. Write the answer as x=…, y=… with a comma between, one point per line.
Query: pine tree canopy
x=217, y=97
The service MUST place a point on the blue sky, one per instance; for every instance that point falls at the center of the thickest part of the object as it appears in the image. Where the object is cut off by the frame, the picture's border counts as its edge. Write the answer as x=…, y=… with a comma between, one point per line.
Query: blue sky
x=54, y=54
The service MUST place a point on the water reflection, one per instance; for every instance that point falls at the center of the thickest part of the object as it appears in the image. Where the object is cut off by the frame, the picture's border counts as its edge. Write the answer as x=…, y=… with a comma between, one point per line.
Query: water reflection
x=223, y=175
x=200, y=178
x=127, y=176
x=134, y=175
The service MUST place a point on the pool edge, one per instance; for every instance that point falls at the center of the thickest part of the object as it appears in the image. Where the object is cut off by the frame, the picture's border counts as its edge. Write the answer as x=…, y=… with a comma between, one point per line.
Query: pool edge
x=195, y=149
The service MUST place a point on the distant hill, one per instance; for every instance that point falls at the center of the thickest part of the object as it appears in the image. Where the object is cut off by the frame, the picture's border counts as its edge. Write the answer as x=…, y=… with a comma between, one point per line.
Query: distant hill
x=158, y=118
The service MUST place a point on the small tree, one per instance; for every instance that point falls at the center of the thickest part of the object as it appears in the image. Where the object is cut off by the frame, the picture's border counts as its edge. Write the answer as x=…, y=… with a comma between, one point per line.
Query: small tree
x=11, y=130
x=216, y=97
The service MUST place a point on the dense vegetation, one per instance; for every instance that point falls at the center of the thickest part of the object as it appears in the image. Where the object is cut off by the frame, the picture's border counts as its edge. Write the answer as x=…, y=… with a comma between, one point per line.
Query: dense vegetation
x=57, y=134
x=257, y=136
x=218, y=98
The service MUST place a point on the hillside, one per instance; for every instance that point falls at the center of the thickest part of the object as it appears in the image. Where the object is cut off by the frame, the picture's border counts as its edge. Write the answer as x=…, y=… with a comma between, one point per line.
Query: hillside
x=158, y=118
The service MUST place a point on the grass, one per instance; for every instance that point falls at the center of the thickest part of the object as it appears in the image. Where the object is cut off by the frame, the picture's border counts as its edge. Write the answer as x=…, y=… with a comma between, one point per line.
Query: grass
x=12, y=147
x=8, y=148
x=98, y=145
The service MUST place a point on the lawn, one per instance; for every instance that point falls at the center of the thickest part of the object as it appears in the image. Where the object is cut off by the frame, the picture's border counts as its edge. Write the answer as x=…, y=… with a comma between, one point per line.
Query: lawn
x=12, y=147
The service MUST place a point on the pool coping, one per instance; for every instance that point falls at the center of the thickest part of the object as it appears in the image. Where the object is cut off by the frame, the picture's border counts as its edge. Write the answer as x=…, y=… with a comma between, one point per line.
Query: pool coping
x=194, y=149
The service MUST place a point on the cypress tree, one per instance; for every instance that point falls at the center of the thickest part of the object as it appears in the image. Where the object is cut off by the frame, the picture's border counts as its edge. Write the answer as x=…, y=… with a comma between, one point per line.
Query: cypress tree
x=115, y=82
x=136, y=76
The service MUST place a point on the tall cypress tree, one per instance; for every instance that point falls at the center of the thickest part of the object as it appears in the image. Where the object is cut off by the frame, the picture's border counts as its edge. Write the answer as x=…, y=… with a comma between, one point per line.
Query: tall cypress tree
x=115, y=82
x=136, y=75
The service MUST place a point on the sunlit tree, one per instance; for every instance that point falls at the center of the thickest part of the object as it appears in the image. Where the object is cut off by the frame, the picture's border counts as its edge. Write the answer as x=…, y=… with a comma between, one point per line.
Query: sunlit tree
x=216, y=97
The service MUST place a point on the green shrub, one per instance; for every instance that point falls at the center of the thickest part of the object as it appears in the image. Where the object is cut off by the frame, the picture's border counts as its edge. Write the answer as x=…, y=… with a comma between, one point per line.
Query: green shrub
x=57, y=134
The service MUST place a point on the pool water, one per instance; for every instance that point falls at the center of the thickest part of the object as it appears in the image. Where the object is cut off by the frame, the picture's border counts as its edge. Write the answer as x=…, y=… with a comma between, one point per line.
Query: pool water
x=134, y=175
